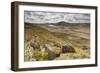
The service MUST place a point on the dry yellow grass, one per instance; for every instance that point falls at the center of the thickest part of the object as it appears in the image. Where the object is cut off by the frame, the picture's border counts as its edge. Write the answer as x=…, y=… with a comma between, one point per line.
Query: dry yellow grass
x=80, y=54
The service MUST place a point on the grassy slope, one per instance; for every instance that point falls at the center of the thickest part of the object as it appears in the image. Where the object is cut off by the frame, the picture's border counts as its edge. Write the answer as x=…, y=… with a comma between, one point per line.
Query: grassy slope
x=44, y=36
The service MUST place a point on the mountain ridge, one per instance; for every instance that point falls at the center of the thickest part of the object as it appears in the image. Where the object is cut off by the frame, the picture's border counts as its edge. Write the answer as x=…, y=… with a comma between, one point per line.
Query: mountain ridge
x=62, y=23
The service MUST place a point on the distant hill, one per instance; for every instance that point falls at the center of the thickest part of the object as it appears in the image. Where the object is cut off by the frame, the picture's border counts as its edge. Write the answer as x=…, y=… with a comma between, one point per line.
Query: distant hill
x=72, y=24
x=63, y=23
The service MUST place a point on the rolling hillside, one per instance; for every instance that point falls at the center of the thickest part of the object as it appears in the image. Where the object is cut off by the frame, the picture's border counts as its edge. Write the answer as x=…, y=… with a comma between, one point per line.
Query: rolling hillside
x=46, y=42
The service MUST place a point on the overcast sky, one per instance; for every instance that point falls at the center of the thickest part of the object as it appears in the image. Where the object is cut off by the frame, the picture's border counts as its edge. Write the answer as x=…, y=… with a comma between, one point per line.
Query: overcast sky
x=54, y=17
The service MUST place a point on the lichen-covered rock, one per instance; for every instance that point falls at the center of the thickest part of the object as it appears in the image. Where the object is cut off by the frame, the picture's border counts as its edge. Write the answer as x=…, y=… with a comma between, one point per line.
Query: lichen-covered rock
x=68, y=48
x=51, y=54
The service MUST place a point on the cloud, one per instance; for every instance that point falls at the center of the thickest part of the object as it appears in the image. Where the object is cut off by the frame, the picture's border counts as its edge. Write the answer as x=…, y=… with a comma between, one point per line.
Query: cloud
x=54, y=17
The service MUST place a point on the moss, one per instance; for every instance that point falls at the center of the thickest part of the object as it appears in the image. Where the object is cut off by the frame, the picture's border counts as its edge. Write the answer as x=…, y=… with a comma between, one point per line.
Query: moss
x=37, y=54
x=57, y=51
x=40, y=55
x=45, y=55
